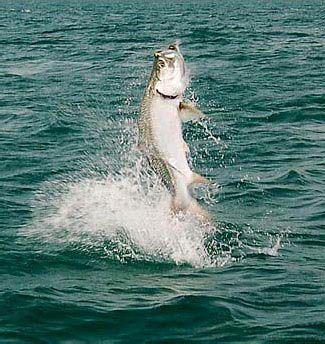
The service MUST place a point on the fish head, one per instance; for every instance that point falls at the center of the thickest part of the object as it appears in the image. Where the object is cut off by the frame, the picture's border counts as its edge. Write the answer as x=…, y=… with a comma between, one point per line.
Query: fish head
x=170, y=69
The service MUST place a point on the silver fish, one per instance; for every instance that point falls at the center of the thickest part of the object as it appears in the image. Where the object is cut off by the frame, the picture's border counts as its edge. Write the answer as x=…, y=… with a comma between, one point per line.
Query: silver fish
x=160, y=129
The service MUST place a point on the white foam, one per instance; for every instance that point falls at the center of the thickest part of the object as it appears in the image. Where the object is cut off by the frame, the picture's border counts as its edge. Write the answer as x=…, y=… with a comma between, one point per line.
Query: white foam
x=123, y=217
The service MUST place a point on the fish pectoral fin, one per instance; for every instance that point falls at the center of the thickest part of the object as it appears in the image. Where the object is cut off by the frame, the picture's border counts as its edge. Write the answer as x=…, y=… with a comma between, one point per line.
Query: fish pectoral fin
x=198, y=179
x=188, y=112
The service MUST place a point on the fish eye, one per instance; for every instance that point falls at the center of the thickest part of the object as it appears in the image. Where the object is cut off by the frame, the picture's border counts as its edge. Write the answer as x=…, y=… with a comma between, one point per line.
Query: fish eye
x=172, y=47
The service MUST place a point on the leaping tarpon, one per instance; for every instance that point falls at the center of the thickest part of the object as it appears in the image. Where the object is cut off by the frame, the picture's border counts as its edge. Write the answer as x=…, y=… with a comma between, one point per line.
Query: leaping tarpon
x=162, y=112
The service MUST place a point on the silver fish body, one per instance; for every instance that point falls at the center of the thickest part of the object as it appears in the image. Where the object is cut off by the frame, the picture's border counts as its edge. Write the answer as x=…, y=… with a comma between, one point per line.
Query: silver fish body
x=160, y=129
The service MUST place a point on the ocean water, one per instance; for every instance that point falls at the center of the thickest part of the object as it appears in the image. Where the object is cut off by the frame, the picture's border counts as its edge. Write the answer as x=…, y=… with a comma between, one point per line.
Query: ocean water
x=88, y=252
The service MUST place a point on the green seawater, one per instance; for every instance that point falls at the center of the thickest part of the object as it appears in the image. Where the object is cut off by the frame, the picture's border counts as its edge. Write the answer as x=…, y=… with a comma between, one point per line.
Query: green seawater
x=88, y=253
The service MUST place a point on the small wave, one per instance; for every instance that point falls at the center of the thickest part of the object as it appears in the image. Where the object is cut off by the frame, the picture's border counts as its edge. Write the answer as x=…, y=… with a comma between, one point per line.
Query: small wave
x=292, y=177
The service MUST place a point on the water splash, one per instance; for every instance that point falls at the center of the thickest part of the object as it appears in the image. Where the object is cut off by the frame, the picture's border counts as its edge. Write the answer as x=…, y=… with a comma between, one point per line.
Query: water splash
x=116, y=208
x=128, y=220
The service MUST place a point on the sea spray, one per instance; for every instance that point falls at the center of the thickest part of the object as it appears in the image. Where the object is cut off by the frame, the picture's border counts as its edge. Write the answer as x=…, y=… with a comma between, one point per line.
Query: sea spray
x=119, y=213
x=116, y=207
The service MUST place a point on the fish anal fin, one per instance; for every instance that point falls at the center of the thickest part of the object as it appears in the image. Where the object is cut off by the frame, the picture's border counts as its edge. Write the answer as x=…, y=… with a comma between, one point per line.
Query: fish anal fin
x=189, y=112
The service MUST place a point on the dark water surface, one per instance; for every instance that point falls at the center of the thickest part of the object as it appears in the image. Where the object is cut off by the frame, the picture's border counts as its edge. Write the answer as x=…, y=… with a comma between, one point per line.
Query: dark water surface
x=87, y=252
